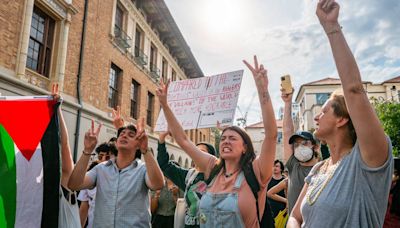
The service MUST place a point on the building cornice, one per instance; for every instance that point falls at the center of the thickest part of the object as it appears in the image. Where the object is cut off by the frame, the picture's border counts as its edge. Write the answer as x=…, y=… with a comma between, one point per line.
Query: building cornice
x=139, y=18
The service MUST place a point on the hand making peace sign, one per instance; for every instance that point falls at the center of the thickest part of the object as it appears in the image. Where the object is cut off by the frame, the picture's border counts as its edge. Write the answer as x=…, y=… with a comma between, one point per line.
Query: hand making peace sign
x=118, y=121
x=162, y=91
x=141, y=136
x=91, y=137
x=259, y=74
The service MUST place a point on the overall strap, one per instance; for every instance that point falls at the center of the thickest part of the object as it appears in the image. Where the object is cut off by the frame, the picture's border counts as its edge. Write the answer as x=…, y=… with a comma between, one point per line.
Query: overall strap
x=239, y=180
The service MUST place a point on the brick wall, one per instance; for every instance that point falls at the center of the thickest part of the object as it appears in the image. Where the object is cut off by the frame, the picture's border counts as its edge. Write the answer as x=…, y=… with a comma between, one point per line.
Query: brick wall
x=11, y=15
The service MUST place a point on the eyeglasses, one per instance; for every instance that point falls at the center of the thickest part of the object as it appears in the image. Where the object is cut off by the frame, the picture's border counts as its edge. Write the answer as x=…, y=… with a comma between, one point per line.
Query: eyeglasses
x=303, y=143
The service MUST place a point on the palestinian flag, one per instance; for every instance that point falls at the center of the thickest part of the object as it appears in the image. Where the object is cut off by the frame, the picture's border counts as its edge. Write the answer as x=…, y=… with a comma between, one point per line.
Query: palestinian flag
x=29, y=162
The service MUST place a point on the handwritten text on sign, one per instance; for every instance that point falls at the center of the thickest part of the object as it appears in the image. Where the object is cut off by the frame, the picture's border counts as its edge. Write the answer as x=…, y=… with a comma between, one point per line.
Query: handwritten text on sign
x=201, y=102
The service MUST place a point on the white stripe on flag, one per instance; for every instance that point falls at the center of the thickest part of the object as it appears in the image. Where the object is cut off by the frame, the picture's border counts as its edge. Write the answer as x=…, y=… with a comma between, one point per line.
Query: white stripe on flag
x=29, y=189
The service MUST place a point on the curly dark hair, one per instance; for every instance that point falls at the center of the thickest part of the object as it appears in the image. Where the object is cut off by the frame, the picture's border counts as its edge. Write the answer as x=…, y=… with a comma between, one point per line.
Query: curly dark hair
x=107, y=147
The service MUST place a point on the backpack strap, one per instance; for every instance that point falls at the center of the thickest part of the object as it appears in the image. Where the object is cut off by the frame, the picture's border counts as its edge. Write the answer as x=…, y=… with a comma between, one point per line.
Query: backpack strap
x=254, y=185
x=214, y=172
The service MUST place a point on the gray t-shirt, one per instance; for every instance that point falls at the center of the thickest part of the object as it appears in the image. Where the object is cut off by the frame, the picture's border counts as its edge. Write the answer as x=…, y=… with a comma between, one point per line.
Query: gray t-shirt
x=166, y=202
x=356, y=195
x=297, y=173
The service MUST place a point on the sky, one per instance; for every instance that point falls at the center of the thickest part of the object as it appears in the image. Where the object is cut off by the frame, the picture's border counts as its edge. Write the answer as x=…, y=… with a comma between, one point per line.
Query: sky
x=288, y=39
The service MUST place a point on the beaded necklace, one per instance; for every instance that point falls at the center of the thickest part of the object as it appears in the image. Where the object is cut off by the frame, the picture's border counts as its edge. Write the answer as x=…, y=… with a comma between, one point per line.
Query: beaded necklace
x=320, y=180
x=230, y=174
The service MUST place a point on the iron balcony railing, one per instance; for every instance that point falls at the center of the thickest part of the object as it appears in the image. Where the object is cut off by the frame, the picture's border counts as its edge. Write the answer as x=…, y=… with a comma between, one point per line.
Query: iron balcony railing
x=140, y=56
x=121, y=38
x=154, y=72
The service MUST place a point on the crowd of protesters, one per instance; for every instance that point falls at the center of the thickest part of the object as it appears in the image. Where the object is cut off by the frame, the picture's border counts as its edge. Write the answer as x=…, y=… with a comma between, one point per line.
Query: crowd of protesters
x=347, y=185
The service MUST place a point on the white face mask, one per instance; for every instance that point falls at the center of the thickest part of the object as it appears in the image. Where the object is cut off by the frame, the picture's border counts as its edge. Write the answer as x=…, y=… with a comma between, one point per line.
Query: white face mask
x=303, y=153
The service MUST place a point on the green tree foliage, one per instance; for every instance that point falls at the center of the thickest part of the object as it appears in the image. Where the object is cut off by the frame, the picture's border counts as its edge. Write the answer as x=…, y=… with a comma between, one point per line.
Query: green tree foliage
x=389, y=115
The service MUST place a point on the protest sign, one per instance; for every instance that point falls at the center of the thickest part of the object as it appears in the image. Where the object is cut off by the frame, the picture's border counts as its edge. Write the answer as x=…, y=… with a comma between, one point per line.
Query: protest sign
x=201, y=102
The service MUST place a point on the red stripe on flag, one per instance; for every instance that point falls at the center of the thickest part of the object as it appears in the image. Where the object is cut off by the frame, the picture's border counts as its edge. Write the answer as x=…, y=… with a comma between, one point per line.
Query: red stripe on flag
x=26, y=121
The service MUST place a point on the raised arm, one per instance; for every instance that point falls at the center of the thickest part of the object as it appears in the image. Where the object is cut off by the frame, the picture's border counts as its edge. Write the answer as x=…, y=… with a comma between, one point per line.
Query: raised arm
x=175, y=173
x=154, y=177
x=288, y=127
x=268, y=148
x=66, y=158
x=78, y=179
x=67, y=163
x=366, y=123
x=200, y=158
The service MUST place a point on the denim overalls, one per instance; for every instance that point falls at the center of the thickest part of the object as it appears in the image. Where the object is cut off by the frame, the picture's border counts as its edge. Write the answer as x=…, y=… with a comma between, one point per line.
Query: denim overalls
x=221, y=209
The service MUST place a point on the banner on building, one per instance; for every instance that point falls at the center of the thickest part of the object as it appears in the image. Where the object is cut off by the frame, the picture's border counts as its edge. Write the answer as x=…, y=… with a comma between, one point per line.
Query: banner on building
x=201, y=102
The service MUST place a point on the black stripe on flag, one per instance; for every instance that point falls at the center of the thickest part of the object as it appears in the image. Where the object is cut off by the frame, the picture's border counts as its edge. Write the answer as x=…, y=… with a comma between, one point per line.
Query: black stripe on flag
x=51, y=172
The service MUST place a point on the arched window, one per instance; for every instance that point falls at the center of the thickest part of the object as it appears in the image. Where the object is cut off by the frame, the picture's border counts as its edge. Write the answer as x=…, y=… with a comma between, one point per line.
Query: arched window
x=186, y=163
x=180, y=161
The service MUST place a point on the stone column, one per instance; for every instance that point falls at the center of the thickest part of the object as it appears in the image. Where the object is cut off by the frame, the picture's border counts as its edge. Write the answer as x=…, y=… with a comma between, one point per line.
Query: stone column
x=62, y=52
x=24, y=40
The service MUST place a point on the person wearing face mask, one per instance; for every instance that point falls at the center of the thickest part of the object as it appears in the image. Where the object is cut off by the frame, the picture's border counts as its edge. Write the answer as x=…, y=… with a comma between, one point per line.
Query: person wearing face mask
x=303, y=144
x=300, y=152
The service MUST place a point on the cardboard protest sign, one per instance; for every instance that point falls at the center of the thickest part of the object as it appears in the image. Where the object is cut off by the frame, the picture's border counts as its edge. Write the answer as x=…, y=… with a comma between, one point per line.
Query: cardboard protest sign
x=201, y=102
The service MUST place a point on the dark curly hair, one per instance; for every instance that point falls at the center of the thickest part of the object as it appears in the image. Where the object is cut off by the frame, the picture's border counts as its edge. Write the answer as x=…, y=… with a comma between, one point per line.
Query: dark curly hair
x=107, y=147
